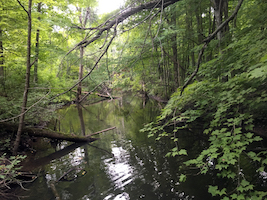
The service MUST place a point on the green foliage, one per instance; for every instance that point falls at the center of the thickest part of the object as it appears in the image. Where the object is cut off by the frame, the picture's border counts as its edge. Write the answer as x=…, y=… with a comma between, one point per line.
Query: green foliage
x=9, y=170
x=5, y=144
x=182, y=178
x=228, y=98
x=55, y=72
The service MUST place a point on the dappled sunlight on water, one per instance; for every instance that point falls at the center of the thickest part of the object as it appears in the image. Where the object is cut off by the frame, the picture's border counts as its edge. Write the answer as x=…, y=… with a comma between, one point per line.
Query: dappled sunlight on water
x=124, y=164
x=120, y=172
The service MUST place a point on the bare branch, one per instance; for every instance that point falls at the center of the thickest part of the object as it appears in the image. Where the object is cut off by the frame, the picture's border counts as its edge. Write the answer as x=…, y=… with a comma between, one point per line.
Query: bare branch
x=124, y=15
x=211, y=36
x=98, y=60
x=105, y=130
x=206, y=42
x=23, y=8
x=83, y=28
x=114, y=21
x=36, y=58
x=196, y=70
x=104, y=41
x=90, y=92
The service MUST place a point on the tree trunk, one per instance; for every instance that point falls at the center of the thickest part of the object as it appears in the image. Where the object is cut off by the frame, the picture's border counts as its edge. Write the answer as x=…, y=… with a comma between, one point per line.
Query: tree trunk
x=198, y=15
x=80, y=114
x=79, y=89
x=35, y=75
x=220, y=9
x=27, y=81
x=2, y=72
x=176, y=69
x=218, y=16
x=83, y=23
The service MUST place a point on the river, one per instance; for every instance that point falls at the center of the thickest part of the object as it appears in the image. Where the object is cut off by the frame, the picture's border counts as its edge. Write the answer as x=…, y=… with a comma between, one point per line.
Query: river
x=123, y=164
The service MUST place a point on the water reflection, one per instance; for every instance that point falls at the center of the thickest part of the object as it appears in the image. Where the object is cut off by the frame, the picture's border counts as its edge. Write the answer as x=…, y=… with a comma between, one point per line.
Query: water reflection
x=118, y=168
x=124, y=165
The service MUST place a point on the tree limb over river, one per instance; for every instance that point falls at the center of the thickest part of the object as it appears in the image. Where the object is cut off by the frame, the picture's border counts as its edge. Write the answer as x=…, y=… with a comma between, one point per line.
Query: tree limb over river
x=113, y=23
x=125, y=14
x=37, y=132
x=121, y=17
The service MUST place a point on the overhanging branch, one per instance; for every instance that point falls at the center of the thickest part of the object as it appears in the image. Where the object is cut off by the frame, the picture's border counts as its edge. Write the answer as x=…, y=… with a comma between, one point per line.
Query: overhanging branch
x=114, y=23
x=206, y=42
x=123, y=16
x=98, y=60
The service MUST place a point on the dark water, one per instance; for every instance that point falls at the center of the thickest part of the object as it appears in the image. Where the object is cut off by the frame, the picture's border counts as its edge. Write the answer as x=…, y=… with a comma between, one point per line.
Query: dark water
x=124, y=164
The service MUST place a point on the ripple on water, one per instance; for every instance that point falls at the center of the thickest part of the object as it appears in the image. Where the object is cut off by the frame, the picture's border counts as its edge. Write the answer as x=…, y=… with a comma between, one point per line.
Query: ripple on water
x=119, y=169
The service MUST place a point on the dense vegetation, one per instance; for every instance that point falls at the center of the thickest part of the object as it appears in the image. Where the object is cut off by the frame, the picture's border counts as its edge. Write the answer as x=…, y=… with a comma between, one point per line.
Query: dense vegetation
x=218, y=82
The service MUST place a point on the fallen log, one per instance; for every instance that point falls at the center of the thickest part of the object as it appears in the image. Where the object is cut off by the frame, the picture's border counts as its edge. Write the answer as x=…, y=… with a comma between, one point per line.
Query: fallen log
x=37, y=132
x=33, y=164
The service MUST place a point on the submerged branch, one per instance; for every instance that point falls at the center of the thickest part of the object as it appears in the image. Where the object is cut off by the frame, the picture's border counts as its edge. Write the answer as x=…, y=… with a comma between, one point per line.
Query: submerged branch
x=105, y=130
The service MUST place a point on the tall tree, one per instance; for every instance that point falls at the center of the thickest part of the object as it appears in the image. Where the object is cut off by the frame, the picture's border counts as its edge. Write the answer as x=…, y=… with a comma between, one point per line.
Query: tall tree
x=35, y=74
x=220, y=12
x=2, y=69
x=176, y=67
x=2, y=81
x=27, y=78
x=83, y=19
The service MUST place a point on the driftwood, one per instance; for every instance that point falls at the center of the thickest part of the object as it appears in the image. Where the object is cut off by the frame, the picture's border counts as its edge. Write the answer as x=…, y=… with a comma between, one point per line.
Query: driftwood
x=37, y=132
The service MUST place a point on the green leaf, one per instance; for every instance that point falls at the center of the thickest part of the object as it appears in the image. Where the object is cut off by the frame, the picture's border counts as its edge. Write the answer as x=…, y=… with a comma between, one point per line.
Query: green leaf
x=182, y=178
x=258, y=72
x=234, y=196
x=175, y=153
x=240, y=197
x=249, y=135
x=182, y=152
x=175, y=149
x=257, y=138
x=253, y=156
x=264, y=58
x=168, y=154
x=222, y=192
x=244, y=183
x=213, y=190
x=237, y=137
x=237, y=131
x=2, y=176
